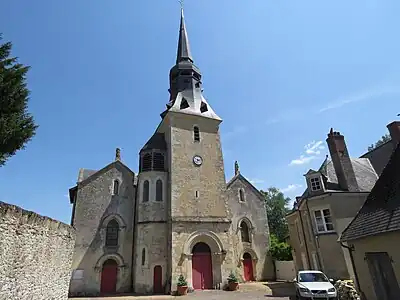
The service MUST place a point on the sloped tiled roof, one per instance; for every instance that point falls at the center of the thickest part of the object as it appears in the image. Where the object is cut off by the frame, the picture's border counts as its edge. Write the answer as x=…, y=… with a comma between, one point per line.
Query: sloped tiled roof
x=379, y=156
x=365, y=175
x=381, y=211
x=157, y=141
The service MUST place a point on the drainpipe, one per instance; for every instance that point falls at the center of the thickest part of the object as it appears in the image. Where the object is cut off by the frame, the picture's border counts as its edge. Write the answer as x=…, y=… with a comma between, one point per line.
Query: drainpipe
x=305, y=240
x=133, y=263
x=351, y=250
x=315, y=239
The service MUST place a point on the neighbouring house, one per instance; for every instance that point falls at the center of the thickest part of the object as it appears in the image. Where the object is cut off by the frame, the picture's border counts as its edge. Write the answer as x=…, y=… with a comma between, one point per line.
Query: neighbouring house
x=335, y=193
x=373, y=236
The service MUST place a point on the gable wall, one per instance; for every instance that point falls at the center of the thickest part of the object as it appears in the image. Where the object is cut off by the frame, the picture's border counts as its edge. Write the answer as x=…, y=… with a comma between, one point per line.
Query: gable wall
x=254, y=210
x=94, y=204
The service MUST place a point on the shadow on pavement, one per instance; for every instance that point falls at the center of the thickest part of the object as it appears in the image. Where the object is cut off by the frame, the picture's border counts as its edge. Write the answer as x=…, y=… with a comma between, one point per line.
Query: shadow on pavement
x=281, y=289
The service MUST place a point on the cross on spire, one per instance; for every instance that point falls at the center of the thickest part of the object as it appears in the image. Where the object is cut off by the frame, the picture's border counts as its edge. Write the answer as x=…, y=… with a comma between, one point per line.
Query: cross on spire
x=181, y=2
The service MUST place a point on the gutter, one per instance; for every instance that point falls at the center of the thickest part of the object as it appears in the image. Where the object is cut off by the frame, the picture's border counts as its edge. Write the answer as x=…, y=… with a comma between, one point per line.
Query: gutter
x=351, y=250
x=315, y=239
x=305, y=239
x=133, y=263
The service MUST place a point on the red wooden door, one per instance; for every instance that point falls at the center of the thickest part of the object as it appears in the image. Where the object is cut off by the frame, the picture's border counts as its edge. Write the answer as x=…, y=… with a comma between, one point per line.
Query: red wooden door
x=157, y=280
x=248, y=267
x=109, y=277
x=202, y=271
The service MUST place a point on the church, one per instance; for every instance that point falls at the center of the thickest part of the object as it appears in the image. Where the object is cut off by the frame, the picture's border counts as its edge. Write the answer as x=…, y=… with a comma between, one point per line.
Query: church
x=138, y=232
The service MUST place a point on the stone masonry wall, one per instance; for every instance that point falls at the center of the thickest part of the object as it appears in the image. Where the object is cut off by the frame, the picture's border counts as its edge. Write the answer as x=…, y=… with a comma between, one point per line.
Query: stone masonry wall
x=35, y=255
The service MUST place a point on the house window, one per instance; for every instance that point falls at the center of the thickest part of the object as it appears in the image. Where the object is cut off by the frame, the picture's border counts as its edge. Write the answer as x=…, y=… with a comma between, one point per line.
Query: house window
x=116, y=187
x=196, y=134
x=143, y=256
x=315, y=184
x=323, y=220
x=112, y=232
x=244, y=232
x=146, y=191
x=241, y=195
x=159, y=190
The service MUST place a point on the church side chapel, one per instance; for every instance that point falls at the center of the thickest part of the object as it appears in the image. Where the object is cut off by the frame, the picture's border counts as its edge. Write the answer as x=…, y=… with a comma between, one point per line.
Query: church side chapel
x=178, y=215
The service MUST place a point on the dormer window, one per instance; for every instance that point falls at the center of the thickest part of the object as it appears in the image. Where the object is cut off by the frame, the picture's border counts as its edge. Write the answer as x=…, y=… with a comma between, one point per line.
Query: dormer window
x=184, y=104
x=315, y=183
x=203, y=107
x=196, y=134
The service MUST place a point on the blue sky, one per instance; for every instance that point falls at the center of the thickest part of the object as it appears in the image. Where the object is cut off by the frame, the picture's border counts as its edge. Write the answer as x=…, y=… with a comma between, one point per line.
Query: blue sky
x=280, y=74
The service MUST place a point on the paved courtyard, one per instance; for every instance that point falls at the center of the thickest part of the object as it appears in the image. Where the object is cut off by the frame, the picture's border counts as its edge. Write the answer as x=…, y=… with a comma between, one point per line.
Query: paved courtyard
x=254, y=291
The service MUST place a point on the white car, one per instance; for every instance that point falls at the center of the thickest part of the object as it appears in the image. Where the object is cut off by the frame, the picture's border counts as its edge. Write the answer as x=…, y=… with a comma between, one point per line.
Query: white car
x=314, y=285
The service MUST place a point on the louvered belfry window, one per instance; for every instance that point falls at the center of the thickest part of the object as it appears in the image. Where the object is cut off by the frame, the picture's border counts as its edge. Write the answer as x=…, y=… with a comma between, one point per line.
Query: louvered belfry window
x=146, y=163
x=158, y=161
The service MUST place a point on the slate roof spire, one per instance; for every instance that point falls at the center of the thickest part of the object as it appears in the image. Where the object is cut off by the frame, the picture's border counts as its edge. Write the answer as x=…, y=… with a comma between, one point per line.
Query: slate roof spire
x=185, y=82
x=183, y=53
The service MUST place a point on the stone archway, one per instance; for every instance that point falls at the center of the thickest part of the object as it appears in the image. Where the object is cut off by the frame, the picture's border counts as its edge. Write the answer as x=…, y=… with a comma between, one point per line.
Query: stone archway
x=109, y=275
x=216, y=251
x=248, y=272
x=202, y=267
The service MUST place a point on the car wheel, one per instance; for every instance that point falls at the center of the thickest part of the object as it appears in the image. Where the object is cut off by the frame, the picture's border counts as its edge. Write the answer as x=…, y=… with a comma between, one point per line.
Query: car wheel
x=298, y=297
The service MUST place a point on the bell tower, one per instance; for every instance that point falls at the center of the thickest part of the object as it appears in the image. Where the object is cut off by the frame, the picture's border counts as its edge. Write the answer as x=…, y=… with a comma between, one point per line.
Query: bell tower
x=197, y=177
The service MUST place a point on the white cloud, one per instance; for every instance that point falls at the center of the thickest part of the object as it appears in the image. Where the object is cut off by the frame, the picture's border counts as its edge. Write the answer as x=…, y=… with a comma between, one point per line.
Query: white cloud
x=291, y=188
x=256, y=181
x=312, y=151
x=301, y=113
x=314, y=148
x=361, y=96
x=302, y=160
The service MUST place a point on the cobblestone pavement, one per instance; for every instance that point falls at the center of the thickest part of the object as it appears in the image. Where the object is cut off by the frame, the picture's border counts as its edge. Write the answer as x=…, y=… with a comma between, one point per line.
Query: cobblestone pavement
x=253, y=291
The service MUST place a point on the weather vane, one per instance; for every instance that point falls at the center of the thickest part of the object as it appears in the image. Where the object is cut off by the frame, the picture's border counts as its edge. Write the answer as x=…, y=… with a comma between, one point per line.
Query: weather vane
x=182, y=2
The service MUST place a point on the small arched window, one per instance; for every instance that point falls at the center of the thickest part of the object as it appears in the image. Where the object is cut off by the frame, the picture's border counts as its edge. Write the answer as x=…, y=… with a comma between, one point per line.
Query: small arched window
x=241, y=195
x=143, y=256
x=159, y=190
x=196, y=134
x=146, y=191
x=244, y=232
x=116, y=187
x=112, y=232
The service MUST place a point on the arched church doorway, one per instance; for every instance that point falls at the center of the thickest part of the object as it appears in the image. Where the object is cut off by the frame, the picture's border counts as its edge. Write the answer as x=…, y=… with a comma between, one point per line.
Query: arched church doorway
x=248, y=267
x=157, y=280
x=202, y=267
x=109, y=274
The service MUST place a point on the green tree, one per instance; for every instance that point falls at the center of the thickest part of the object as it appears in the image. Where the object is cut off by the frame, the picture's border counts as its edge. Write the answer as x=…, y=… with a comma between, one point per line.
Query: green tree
x=276, y=205
x=280, y=250
x=385, y=138
x=17, y=126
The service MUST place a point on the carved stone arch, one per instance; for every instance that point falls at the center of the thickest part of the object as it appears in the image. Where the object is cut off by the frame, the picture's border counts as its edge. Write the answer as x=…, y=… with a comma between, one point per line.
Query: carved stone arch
x=114, y=256
x=117, y=217
x=205, y=236
x=248, y=223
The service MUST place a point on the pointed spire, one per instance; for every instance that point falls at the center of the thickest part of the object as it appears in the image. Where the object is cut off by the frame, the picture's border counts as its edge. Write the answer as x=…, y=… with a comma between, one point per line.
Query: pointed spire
x=183, y=53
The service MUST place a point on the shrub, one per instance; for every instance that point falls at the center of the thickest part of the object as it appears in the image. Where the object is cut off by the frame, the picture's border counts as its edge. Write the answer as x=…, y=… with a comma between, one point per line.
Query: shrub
x=232, y=277
x=280, y=250
x=181, y=281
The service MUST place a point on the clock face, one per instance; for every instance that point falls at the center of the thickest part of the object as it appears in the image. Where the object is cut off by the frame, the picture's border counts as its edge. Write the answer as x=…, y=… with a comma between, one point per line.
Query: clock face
x=197, y=160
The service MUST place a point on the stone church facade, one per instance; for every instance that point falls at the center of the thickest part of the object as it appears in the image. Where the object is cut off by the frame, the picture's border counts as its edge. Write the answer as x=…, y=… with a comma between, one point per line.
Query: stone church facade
x=178, y=215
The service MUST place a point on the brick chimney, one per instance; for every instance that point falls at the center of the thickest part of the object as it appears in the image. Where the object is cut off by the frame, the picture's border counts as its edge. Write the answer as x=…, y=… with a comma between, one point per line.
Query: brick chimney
x=394, y=129
x=342, y=162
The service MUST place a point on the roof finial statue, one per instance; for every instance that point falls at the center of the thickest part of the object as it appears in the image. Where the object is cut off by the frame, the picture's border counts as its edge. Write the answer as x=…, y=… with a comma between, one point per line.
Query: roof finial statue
x=117, y=154
x=236, y=167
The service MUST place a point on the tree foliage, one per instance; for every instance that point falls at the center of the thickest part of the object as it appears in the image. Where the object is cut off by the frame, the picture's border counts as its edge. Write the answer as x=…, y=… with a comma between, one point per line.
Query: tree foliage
x=276, y=205
x=385, y=138
x=280, y=250
x=17, y=126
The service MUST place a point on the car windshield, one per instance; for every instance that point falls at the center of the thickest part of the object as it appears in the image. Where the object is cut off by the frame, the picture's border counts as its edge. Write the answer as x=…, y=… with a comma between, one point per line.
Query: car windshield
x=312, y=277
